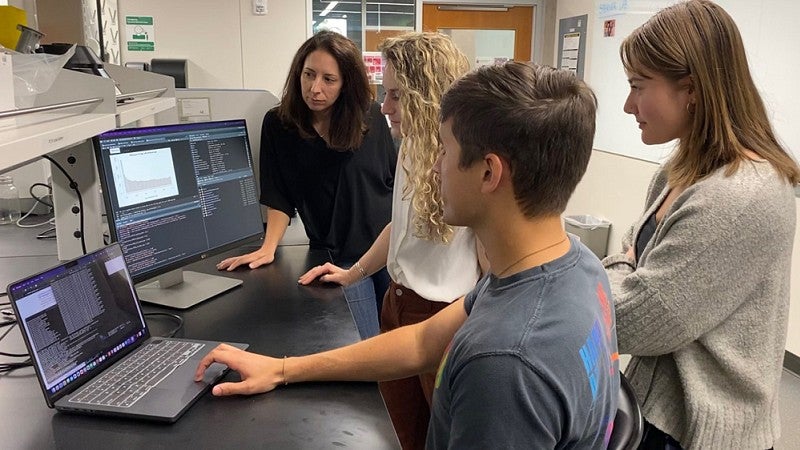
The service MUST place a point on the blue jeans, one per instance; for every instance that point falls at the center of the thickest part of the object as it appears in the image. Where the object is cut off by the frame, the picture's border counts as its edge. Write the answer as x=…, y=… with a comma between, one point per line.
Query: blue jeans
x=365, y=299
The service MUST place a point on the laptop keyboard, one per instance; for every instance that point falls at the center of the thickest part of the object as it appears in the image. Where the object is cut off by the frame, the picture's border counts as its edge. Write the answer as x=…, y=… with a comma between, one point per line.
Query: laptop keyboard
x=130, y=379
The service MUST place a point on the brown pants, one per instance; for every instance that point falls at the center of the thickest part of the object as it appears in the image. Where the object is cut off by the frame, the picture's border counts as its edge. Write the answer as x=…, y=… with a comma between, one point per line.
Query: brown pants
x=408, y=400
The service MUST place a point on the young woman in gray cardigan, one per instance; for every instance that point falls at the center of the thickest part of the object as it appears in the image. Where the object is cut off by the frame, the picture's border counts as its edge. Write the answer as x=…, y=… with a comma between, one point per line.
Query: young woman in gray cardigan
x=702, y=286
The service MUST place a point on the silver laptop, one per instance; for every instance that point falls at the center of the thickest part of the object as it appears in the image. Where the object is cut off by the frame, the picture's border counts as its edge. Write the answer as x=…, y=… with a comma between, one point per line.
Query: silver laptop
x=92, y=350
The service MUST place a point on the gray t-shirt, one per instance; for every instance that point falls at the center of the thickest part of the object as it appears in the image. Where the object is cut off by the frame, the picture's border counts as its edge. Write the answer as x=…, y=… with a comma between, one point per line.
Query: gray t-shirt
x=535, y=365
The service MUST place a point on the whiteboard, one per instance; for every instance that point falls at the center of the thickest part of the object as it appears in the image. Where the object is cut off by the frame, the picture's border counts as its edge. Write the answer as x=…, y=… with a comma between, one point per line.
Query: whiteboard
x=772, y=42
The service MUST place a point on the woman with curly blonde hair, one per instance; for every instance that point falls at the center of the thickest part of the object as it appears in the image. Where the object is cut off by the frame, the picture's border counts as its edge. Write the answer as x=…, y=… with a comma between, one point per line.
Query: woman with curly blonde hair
x=431, y=264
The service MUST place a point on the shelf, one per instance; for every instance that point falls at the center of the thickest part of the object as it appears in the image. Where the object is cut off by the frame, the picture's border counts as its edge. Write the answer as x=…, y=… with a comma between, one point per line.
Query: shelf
x=128, y=113
x=76, y=107
x=144, y=94
x=21, y=144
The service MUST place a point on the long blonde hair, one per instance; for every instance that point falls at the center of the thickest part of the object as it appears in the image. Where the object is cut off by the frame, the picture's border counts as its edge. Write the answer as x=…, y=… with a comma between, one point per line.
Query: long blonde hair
x=426, y=64
x=698, y=39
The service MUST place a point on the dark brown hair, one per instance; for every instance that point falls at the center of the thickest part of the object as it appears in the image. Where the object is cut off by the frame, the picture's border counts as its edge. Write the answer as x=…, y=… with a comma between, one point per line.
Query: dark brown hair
x=349, y=112
x=539, y=119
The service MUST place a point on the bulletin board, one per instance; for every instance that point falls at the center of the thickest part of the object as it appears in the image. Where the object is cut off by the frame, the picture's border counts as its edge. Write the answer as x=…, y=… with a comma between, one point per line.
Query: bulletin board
x=772, y=42
x=572, y=44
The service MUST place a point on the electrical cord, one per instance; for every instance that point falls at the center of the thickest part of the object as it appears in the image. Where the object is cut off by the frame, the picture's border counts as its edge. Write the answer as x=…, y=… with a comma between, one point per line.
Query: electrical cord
x=6, y=323
x=34, y=225
x=74, y=186
x=33, y=208
x=177, y=318
x=49, y=233
x=7, y=367
x=41, y=199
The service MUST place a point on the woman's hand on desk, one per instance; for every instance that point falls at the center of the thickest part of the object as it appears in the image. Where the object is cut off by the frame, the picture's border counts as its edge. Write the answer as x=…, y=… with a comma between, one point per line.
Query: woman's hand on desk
x=331, y=273
x=259, y=373
x=253, y=260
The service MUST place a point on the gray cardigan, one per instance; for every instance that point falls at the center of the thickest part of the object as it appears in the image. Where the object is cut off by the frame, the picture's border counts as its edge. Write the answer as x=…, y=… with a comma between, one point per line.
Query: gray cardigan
x=704, y=312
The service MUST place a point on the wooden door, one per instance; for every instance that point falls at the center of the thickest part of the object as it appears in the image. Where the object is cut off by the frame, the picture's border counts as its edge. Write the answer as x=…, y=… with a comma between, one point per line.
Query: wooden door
x=518, y=18
x=373, y=39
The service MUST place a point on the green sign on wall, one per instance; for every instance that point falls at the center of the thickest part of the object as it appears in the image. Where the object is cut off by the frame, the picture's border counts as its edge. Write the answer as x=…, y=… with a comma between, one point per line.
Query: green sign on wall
x=141, y=46
x=140, y=33
x=138, y=20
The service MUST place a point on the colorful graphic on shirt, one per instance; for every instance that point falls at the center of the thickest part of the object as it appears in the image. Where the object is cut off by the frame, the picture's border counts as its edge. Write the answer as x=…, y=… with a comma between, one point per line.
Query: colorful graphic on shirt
x=606, y=308
x=596, y=352
x=609, y=430
x=608, y=320
x=591, y=354
x=441, y=366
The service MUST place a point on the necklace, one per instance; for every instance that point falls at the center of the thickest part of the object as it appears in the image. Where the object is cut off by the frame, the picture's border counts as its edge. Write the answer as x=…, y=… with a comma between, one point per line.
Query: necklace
x=319, y=128
x=528, y=255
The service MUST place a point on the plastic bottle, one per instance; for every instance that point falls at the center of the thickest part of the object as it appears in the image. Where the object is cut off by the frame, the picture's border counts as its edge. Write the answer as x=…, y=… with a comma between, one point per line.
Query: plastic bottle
x=9, y=201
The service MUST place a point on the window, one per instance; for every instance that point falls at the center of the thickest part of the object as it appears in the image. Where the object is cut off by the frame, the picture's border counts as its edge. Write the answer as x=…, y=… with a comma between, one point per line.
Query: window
x=348, y=17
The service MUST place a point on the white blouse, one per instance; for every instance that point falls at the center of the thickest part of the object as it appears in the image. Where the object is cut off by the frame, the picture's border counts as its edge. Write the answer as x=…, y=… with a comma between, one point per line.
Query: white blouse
x=436, y=271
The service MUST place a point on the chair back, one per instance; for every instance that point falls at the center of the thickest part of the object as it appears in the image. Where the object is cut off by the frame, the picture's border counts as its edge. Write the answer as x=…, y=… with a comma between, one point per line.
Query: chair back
x=628, y=423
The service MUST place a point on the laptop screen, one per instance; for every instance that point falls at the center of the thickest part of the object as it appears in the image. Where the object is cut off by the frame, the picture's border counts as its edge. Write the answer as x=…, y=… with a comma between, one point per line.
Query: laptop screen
x=78, y=318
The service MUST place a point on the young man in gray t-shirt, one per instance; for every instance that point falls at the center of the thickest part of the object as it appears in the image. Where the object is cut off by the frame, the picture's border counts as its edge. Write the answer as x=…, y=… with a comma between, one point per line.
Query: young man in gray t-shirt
x=529, y=359
x=535, y=363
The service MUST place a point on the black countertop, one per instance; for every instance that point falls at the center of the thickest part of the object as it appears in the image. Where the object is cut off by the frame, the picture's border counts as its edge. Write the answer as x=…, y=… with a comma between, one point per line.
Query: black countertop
x=272, y=313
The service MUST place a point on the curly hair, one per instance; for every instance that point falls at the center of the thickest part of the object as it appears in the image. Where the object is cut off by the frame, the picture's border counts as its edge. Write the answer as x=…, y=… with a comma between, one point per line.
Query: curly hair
x=426, y=64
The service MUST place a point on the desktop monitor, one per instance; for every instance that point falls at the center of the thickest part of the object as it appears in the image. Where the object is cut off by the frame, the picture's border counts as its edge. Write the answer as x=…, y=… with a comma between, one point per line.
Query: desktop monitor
x=175, y=194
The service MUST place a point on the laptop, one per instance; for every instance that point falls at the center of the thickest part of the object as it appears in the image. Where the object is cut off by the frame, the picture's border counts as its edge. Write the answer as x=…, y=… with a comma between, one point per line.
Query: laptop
x=85, y=331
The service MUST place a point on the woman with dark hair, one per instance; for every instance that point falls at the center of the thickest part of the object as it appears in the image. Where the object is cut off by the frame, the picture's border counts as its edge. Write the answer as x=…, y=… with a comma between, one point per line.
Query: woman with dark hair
x=702, y=285
x=327, y=153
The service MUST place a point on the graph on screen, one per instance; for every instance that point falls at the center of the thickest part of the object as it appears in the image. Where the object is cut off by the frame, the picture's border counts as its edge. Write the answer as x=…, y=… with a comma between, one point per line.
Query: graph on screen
x=144, y=176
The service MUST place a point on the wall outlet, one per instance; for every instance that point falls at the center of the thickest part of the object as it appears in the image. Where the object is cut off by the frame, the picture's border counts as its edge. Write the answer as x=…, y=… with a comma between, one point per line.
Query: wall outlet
x=259, y=7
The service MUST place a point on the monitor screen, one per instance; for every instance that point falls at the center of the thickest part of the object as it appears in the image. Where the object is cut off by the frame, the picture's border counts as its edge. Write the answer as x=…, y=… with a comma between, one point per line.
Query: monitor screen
x=175, y=194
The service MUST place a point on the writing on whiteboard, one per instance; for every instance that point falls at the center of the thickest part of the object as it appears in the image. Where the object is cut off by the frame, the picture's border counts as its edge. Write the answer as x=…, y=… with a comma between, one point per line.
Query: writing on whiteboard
x=612, y=8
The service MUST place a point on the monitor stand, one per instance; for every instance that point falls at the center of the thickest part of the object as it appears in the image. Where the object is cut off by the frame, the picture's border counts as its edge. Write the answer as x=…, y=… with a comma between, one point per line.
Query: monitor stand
x=183, y=289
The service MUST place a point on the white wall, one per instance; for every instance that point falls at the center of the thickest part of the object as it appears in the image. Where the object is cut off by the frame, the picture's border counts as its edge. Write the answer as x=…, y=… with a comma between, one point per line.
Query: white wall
x=229, y=47
x=29, y=6
x=226, y=45
x=614, y=188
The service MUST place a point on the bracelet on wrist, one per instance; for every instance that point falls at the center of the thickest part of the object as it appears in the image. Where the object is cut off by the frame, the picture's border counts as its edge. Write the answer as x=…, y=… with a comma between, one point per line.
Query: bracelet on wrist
x=360, y=270
x=283, y=372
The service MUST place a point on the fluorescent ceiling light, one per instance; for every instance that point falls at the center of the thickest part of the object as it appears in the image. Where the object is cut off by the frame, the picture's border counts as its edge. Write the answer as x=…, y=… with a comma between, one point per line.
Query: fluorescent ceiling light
x=488, y=8
x=328, y=9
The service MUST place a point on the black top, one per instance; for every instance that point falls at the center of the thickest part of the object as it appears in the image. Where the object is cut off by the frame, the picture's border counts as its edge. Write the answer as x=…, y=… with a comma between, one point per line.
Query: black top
x=343, y=197
x=645, y=234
